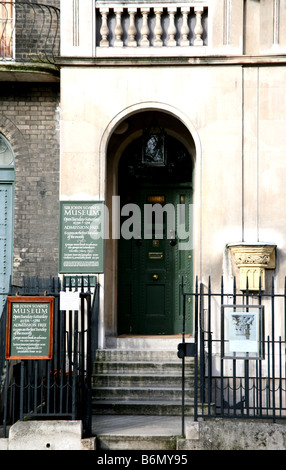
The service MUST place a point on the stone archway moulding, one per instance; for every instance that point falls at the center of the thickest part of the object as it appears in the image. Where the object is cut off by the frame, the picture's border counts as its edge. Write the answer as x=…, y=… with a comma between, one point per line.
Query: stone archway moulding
x=149, y=106
x=186, y=121
x=14, y=136
x=108, y=312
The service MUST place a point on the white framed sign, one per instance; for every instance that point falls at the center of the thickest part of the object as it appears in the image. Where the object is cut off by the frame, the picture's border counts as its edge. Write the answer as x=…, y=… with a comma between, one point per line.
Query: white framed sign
x=69, y=300
x=242, y=331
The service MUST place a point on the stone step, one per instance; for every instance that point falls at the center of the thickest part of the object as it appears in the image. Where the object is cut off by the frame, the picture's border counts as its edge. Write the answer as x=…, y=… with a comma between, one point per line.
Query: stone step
x=113, y=442
x=140, y=380
x=135, y=407
x=137, y=355
x=147, y=343
x=138, y=433
x=140, y=393
x=138, y=367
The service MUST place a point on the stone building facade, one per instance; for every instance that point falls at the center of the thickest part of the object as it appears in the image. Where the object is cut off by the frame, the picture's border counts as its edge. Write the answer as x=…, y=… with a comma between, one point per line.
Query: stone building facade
x=30, y=122
x=211, y=74
x=29, y=130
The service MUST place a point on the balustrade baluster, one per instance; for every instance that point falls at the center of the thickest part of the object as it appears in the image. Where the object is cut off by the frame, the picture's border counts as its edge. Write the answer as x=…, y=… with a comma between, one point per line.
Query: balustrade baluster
x=198, y=28
x=175, y=37
x=145, y=28
x=104, y=31
x=158, y=30
x=132, y=28
x=118, y=27
x=172, y=30
x=185, y=30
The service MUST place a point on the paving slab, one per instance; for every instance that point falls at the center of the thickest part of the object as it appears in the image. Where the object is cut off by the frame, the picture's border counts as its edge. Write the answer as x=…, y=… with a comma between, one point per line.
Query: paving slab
x=127, y=425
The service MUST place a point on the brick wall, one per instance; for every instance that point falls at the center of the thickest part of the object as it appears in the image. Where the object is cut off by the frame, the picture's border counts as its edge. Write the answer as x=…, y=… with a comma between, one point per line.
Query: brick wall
x=54, y=3
x=29, y=119
x=37, y=31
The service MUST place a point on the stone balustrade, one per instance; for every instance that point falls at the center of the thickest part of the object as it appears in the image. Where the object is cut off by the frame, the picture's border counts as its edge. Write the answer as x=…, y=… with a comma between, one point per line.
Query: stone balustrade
x=142, y=25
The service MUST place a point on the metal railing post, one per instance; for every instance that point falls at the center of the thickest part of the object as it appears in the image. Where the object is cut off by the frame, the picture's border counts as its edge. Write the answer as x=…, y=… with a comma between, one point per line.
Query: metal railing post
x=196, y=353
x=183, y=360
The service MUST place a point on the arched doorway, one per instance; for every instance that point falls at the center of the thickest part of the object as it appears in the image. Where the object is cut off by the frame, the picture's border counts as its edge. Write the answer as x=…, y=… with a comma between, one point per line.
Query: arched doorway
x=151, y=264
x=6, y=217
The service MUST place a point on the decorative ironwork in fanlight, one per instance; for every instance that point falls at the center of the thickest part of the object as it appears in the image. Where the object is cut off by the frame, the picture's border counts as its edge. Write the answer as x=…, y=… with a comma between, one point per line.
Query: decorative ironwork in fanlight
x=6, y=154
x=153, y=145
x=177, y=167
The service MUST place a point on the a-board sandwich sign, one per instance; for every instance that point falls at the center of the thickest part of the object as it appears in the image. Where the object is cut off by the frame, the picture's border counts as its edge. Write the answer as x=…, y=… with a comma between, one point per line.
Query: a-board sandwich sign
x=29, y=329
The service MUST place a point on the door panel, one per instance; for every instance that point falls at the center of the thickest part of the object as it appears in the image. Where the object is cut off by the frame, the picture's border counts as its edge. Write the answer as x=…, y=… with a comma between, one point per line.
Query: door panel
x=155, y=300
x=5, y=240
x=150, y=269
x=182, y=198
x=154, y=263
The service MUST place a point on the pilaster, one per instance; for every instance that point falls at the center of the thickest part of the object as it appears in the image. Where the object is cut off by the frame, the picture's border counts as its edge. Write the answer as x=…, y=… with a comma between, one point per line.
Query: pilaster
x=252, y=262
x=77, y=28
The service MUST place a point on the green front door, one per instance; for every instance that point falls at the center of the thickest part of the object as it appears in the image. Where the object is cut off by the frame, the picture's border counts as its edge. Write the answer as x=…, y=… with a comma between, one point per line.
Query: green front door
x=151, y=267
x=152, y=257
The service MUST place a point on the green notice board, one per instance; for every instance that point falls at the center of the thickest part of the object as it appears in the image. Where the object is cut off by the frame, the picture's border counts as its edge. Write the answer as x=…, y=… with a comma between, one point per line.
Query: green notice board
x=29, y=331
x=81, y=237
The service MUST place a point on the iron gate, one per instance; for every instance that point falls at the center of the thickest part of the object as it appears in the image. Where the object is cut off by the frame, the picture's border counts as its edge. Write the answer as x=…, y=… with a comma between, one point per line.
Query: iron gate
x=58, y=388
x=233, y=387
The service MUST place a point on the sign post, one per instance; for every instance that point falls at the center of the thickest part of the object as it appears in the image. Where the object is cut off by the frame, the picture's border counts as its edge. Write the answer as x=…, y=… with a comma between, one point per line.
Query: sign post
x=29, y=330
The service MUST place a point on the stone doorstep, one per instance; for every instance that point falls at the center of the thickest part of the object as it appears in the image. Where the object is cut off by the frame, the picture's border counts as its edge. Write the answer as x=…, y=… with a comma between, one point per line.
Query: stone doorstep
x=153, y=442
x=109, y=442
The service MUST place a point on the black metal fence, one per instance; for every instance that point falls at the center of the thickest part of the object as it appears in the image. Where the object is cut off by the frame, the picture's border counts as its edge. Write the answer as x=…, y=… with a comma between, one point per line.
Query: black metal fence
x=29, y=32
x=60, y=387
x=239, y=384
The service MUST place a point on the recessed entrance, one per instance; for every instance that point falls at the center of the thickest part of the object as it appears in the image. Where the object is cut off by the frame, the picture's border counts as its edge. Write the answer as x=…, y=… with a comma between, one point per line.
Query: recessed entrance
x=155, y=247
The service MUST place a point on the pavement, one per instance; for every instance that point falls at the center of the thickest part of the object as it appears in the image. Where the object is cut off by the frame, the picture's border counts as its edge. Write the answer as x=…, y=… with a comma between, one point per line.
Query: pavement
x=119, y=425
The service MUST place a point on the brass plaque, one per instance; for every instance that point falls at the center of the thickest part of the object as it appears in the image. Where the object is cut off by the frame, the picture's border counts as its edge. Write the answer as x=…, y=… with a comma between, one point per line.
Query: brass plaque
x=154, y=199
x=155, y=255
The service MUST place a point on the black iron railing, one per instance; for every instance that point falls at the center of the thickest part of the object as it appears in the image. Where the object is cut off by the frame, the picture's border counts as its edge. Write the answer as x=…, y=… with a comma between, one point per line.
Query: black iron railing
x=60, y=387
x=239, y=387
x=29, y=32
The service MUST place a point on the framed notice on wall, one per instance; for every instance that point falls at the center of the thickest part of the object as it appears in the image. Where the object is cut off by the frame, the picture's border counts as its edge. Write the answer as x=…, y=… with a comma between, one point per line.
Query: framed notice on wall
x=81, y=237
x=29, y=329
x=242, y=331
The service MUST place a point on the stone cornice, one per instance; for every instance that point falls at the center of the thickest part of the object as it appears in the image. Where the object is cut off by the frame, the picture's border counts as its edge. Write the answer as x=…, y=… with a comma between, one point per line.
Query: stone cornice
x=215, y=60
x=29, y=72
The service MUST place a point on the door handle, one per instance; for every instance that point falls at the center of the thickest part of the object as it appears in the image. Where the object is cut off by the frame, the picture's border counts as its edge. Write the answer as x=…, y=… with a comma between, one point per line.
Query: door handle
x=155, y=277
